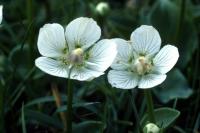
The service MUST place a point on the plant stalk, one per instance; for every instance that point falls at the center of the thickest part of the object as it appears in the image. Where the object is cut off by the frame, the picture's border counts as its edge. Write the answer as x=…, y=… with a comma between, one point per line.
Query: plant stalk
x=69, y=103
x=150, y=109
x=180, y=20
x=29, y=9
x=139, y=128
x=1, y=109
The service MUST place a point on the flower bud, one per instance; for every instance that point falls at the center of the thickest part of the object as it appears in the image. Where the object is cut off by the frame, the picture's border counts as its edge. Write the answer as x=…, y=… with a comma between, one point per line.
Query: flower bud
x=102, y=8
x=151, y=128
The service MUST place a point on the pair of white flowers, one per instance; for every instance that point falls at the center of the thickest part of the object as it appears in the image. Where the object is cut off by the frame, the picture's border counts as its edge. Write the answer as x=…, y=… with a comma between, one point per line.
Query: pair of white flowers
x=137, y=62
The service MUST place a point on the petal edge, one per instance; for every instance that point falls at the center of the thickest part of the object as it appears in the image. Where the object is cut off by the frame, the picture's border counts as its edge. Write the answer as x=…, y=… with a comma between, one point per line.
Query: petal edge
x=151, y=80
x=166, y=59
x=51, y=40
x=146, y=40
x=122, y=79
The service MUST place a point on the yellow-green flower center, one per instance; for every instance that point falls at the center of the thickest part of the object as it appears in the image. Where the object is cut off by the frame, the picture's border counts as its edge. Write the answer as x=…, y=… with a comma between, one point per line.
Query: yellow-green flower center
x=142, y=65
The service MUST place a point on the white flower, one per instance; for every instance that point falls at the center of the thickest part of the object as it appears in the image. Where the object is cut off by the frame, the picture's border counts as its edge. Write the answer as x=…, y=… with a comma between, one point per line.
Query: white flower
x=75, y=46
x=1, y=13
x=139, y=61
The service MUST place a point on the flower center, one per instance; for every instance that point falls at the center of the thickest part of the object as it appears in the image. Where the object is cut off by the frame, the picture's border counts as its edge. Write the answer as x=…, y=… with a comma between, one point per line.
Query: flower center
x=76, y=56
x=142, y=65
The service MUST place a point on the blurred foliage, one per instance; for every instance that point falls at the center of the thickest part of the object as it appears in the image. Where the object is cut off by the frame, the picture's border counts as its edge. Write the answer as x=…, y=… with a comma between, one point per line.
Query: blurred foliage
x=26, y=100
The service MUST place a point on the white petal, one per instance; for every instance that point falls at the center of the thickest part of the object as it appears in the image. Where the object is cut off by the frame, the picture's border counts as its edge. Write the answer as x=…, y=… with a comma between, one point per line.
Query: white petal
x=165, y=59
x=1, y=13
x=124, y=54
x=122, y=79
x=151, y=80
x=146, y=40
x=52, y=67
x=82, y=32
x=84, y=74
x=51, y=40
x=57, y=68
x=102, y=55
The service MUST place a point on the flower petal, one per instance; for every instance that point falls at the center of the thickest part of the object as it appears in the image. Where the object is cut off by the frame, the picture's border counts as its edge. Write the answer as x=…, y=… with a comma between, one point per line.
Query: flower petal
x=52, y=67
x=151, y=80
x=124, y=54
x=51, y=40
x=1, y=13
x=82, y=32
x=165, y=59
x=57, y=68
x=102, y=55
x=122, y=79
x=84, y=74
x=146, y=40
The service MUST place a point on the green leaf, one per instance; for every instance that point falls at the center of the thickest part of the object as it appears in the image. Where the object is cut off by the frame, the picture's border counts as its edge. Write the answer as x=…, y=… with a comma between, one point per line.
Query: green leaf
x=16, y=55
x=63, y=108
x=164, y=117
x=23, y=120
x=5, y=65
x=88, y=127
x=163, y=16
x=42, y=118
x=188, y=42
x=15, y=94
x=43, y=100
x=175, y=86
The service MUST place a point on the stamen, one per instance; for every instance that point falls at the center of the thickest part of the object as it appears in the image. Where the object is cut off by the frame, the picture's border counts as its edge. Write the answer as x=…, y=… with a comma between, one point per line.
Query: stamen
x=142, y=65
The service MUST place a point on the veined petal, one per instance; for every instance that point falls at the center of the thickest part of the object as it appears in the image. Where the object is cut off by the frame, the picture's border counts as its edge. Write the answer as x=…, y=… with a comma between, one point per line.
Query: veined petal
x=146, y=40
x=124, y=54
x=1, y=13
x=123, y=79
x=82, y=32
x=102, y=55
x=151, y=80
x=84, y=74
x=51, y=40
x=165, y=59
x=52, y=67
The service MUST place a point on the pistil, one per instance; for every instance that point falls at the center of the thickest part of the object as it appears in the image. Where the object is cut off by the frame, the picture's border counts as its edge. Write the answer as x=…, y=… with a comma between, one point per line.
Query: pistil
x=76, y=56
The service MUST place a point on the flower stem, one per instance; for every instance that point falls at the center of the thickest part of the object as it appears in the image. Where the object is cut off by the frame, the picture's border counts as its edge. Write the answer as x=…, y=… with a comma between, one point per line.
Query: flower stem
x=30, y=22
x=149, y=101
x=139, y=129
x=1, y=109
x=69, y=103
x=175, y=103
x=180, y=20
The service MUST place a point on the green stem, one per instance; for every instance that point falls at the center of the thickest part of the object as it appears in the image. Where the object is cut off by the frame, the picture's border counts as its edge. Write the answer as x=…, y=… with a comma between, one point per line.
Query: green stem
x=149, y=101
x=175, y=103
x=29, y=22
x=139, y=128
x=69, y=103
x=1, y=109
x=180, y=20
